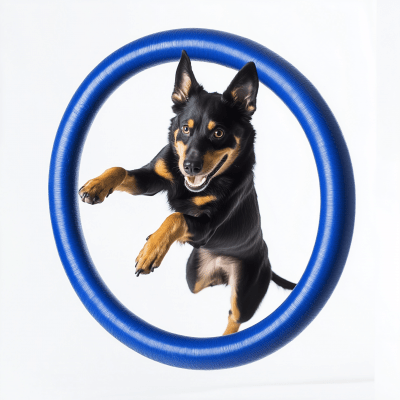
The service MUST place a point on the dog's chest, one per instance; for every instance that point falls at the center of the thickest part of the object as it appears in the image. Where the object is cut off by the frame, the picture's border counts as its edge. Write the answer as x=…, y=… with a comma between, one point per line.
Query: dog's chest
x=186, y=205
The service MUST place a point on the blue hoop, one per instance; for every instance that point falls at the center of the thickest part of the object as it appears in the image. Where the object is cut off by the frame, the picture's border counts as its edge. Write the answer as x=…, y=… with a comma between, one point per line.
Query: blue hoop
x=337, y=200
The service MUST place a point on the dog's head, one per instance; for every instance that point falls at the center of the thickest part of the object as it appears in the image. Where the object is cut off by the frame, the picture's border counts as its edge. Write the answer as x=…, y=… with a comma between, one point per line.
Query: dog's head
x=211, y=130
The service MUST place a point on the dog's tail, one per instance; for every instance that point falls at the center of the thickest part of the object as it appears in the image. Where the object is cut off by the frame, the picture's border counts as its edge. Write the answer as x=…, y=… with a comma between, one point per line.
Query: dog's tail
x=282, y=282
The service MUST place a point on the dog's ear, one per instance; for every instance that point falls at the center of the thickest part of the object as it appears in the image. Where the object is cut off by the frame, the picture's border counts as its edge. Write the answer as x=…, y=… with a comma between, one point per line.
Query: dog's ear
x=185, y=82
x=242, y=92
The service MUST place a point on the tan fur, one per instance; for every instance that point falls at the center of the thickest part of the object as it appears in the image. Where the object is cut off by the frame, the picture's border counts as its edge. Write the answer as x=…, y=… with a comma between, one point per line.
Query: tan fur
x=176, y=134
x=239, y=94
x=233, y=325
x=212, y=158
x=235, y=95
x=181, y=93
x=234, y=308
x=161, y=169
x=211, y=125
x=201, y=200
x=115, y=178
x=210, y=265
x=180, y=148
x=190, y=123
x=129, y=185
x=174, y=228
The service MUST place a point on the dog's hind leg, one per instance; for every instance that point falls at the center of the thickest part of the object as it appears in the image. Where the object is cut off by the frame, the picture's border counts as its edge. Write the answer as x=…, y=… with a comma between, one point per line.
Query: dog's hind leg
x=234, y=316
x=247, y=294
x=192, y=272
x=205, y=269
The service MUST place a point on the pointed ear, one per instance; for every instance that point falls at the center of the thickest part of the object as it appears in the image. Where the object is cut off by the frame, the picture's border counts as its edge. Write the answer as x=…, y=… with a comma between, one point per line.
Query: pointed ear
x=242, y=92
x=185, y=82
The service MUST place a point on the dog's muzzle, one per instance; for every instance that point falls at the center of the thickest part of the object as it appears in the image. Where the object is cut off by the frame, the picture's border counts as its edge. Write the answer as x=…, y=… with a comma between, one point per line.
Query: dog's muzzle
x=200, y=182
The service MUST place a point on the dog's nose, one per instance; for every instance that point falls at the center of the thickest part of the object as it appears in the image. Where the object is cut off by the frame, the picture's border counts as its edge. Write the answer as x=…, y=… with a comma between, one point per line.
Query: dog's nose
x=192, y=167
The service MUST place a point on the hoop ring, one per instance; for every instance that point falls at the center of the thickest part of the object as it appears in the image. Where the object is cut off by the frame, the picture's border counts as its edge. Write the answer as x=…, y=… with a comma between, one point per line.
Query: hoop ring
x=336, y=215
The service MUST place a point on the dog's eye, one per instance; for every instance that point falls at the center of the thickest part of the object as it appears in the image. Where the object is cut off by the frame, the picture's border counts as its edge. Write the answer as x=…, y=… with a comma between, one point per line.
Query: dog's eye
x=218, y=133
x=185, y=129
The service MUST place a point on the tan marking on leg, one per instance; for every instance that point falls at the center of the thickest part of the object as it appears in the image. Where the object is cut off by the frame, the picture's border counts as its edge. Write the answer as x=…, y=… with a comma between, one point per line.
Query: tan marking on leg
x=115, y=178
x=199, y=286
x=201, y=200
x=190, y=123
x=174, y=228
x=161, y=169
x=209, y=263
x=233, y=325
x=129, y=185
x=212, y=158
x=211, y=125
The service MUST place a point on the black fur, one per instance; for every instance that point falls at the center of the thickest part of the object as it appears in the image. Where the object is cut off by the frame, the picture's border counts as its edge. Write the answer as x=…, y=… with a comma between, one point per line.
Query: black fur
x=231, y=225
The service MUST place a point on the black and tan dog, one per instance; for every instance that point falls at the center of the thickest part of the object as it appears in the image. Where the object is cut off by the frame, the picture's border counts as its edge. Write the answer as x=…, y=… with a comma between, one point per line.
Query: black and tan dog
x=207, y=171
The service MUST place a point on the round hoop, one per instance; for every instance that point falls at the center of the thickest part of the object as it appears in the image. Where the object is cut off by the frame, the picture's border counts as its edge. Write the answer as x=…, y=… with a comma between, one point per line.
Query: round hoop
x=336, y=184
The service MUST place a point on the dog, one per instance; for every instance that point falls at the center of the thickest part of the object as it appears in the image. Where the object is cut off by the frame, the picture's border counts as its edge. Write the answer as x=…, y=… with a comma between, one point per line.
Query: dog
x=207, y=171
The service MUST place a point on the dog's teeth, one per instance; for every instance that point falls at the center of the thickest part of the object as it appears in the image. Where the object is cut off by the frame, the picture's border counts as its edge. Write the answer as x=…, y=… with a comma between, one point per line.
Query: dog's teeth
x=199, y=181
x=195, y=181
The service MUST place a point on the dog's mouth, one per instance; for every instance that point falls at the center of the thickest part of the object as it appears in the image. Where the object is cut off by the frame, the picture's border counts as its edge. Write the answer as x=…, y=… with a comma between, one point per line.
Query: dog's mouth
x=199, y=183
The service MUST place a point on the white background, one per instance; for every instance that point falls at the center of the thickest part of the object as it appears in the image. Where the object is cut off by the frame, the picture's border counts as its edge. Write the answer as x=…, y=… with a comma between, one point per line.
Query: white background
x=50, y=346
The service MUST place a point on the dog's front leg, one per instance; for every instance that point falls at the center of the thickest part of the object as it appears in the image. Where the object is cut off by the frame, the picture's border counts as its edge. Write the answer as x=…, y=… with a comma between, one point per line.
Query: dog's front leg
x=148, y=180
x=174, y=228
x=97, y=189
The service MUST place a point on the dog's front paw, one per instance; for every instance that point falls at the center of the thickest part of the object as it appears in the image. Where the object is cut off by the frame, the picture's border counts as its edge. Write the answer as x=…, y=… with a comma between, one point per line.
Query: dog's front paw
x=152, y=254
x=97, y=189
x=94, y=191
x=150, y=257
